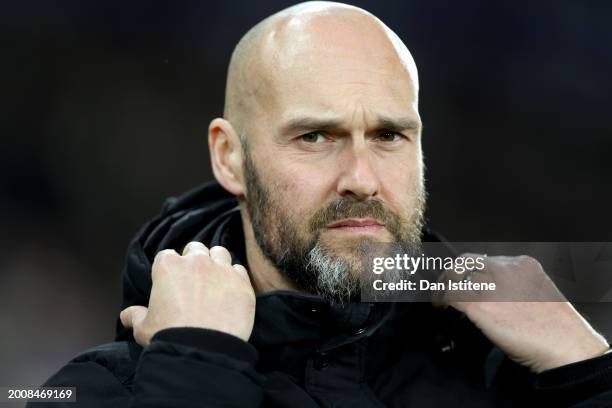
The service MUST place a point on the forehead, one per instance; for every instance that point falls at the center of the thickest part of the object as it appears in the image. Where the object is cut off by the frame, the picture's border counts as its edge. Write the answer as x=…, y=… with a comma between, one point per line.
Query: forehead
x=335, y=67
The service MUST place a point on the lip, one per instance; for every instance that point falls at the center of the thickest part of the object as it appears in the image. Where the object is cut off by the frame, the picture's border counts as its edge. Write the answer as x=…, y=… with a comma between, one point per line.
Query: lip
x=356, y=223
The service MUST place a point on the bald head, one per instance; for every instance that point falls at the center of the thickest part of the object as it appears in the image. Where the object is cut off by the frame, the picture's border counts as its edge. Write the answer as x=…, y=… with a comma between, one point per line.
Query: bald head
x=321, y=125
x=308, y=45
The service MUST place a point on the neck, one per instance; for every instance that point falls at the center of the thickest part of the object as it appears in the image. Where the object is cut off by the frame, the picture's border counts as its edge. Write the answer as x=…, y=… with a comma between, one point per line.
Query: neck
x=265, y=277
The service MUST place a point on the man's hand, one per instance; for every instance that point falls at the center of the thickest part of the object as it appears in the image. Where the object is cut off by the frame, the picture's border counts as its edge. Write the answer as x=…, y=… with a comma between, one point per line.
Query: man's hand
x=201, y=288
x=538, y=334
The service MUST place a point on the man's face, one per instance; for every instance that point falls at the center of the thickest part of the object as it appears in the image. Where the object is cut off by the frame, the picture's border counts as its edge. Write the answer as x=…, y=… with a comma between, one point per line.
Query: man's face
x=333, y=160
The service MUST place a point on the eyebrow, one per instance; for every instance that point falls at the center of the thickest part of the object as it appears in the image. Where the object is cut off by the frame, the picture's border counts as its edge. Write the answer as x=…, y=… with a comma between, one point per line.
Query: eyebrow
x=307, y=123
x=398, y=124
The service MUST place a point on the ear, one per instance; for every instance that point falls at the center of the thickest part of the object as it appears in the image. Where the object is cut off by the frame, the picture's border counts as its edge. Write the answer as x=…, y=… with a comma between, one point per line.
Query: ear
x=226, y=156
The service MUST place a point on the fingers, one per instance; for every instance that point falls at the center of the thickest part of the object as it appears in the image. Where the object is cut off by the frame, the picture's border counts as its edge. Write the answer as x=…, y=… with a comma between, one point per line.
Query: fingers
x=133, y=316
x=220, y=255
x=195, y=247
x=471, y=262
x=467, y=266
x=467, y=269
x=241, y=271
x=217, y=253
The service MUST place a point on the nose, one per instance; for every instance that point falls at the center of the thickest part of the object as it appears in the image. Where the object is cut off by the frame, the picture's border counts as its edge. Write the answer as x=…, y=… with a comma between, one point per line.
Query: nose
x=358, y=177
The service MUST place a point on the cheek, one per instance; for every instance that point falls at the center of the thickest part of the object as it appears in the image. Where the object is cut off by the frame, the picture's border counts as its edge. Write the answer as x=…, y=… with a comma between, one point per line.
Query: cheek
x=302, y=174
x=401, y=182
x=300, y=192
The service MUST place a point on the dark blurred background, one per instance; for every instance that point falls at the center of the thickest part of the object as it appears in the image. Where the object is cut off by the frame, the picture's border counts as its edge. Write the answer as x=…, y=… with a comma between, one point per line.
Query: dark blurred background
x=105, y=107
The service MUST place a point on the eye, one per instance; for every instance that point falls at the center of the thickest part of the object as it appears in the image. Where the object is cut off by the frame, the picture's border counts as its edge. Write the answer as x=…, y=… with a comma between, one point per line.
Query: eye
x=389, y=136
x=313, y=137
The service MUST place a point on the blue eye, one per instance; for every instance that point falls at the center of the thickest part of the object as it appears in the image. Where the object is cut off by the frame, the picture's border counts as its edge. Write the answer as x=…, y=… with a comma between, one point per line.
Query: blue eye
x=313, y=137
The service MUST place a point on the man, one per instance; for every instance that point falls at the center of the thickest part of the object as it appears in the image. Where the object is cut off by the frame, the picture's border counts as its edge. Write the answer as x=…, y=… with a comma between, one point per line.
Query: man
x=319, y=151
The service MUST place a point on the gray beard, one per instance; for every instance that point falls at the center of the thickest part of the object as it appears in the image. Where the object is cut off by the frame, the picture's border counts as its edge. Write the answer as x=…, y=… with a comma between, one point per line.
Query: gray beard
x=309, y=265
x=334, y=278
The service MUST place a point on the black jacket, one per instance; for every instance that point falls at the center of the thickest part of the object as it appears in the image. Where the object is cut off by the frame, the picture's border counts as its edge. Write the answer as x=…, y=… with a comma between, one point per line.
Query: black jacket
x=303, y=352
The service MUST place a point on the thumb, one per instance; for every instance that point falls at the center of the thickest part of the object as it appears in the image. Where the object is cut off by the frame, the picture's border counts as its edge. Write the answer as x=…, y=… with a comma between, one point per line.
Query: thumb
x=132, y=316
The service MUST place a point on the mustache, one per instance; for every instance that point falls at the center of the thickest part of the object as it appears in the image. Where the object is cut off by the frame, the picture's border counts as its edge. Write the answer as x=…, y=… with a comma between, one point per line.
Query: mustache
x=352, y=208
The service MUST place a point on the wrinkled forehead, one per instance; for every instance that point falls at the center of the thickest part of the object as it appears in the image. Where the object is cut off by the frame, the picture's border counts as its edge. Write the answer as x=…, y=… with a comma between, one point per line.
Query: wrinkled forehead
x=336, y=64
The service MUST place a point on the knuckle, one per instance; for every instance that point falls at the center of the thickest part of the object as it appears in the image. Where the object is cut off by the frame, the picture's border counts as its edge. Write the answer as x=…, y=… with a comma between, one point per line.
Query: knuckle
x=162, y=260
x=528, y=261
x=164, y=255
x=195, y=244
x=220, y=255
x=240, y=268
x=219, y=251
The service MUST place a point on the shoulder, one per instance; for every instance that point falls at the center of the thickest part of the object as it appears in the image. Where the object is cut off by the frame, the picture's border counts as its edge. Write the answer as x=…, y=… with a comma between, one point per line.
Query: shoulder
x=115, y=362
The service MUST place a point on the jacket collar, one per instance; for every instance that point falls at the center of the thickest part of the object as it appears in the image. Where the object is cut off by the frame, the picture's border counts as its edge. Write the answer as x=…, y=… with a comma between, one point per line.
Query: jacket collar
x=285, y=316
x=209, y=214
